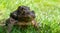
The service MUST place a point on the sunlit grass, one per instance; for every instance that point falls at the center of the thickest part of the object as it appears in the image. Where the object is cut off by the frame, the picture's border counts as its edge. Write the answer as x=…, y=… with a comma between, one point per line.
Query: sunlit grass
x=47, y=12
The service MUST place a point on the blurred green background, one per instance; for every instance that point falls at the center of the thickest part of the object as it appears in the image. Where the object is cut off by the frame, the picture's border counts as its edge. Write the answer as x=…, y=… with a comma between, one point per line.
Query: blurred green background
x=47, y=13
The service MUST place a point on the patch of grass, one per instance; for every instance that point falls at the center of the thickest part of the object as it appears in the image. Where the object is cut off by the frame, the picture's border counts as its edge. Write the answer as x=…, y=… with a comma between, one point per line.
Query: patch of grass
x=47, y=12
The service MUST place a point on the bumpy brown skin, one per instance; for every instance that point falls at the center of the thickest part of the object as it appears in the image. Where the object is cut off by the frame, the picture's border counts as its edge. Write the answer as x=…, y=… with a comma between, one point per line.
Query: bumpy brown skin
x=22, y=16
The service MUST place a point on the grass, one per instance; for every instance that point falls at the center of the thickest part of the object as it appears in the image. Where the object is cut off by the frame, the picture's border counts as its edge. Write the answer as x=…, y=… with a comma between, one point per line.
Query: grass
x=47, y=13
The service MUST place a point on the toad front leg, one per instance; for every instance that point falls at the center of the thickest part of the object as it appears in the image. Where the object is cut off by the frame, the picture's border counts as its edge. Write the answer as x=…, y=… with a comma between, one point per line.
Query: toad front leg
x=9, y=23
x=35, y=24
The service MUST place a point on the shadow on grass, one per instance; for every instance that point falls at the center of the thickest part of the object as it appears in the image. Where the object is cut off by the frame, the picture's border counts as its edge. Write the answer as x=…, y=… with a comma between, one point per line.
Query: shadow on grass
x=15, y=29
